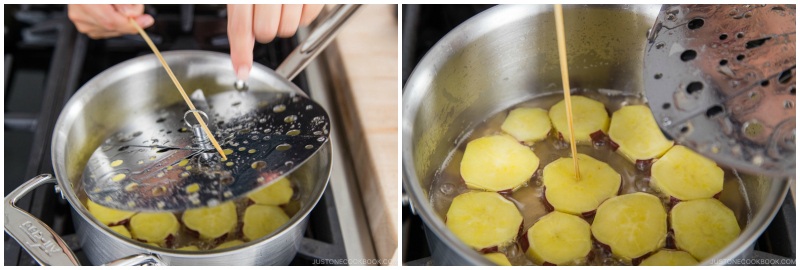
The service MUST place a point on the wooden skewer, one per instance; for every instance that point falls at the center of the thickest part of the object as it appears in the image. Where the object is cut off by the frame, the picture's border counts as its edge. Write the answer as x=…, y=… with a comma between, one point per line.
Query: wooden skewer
x=180, y=88
x=562, y=57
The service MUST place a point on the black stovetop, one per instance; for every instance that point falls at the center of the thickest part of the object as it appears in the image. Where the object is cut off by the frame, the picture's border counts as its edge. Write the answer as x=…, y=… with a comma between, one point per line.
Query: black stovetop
x=47, y=60
x=424, y=25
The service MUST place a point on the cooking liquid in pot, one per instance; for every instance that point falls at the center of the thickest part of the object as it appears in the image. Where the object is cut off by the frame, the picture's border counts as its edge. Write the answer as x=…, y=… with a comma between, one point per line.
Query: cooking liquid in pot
x=168, y=167
x=186, y=237
x=447, y=182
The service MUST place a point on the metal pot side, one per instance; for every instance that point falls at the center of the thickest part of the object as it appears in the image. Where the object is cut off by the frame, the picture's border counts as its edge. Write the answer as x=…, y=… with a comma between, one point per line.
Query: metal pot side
x=508, y=54
x=140, y=85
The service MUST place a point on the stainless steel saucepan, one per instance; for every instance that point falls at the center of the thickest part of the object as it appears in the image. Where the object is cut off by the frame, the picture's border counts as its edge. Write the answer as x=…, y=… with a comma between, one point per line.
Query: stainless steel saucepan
x=507, y=55
x=114, y=97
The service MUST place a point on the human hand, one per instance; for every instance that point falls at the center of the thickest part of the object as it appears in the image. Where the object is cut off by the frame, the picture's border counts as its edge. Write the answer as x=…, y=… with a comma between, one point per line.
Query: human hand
x=262, y=23
x=105, y=21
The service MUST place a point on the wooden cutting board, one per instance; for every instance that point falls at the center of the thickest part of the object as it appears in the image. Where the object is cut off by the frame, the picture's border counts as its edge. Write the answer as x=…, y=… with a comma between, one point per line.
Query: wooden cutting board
x=368, y=91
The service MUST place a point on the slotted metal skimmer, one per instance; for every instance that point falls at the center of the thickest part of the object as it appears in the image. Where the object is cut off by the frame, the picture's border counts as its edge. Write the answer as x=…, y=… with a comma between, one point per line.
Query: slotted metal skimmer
x=721, y=80
x=163, y=162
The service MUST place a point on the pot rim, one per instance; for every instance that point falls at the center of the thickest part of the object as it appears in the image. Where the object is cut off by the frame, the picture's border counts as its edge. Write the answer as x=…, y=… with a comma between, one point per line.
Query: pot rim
x=418, y=85
x=133, y=65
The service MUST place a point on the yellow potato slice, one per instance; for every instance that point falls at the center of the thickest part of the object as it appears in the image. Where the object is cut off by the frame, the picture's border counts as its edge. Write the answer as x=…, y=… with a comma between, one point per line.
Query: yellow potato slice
x=277, y=193
x=667, y=257
x=497, y=163
x=589, y=116
x=154, y=227
x=635, y=131
x=261, y=220
x=686, y=175
x=567, y=194
x=498, y=258
x=120, y=229
x=108, y=216
x=211, y=222
x=483, y=219
x=528, y=125
x=189, y=248
x=229, y=244
x=632, y=225
x=703, y=227
x=560, y=239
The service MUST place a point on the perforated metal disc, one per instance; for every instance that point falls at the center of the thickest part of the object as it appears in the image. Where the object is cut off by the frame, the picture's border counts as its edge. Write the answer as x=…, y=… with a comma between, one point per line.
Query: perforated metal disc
x=152, y=164
x=721, y=80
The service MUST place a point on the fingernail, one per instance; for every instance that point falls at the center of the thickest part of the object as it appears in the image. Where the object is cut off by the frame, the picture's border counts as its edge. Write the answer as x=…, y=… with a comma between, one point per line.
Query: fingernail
x=243, y=73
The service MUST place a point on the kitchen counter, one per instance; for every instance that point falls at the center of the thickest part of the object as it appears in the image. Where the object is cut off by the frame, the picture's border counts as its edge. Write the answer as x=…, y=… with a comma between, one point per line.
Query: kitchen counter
x=366, y=89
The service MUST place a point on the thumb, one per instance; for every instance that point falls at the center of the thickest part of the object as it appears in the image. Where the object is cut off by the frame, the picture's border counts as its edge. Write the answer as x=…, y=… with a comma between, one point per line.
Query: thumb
x=241, y=38
x=145, y=20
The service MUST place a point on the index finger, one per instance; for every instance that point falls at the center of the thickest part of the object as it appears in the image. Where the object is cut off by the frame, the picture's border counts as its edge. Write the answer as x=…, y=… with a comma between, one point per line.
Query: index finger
x=241, y=39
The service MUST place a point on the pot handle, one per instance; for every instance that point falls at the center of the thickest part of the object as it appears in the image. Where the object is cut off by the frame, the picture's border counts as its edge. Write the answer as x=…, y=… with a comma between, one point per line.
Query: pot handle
x=41, y=242
x=138, y=260
x=317, y=40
